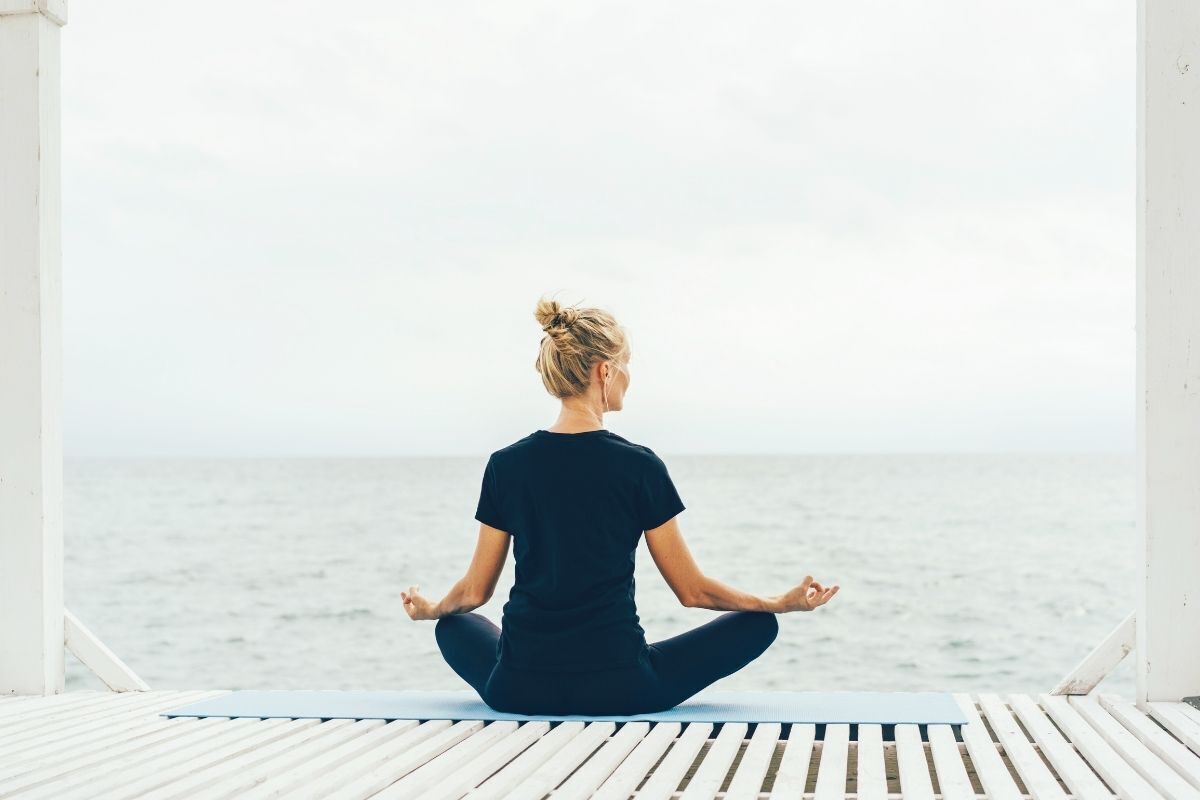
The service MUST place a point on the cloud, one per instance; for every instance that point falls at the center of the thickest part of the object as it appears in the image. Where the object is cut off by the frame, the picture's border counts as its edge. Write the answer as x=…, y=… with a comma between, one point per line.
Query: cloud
x=291, y=229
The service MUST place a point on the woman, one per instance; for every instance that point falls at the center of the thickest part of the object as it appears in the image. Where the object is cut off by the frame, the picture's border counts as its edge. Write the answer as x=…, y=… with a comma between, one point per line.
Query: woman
x=575, y=498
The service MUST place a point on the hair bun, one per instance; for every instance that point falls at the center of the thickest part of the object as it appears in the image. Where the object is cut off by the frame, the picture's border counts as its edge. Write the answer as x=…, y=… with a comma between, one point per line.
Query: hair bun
x=550, y=315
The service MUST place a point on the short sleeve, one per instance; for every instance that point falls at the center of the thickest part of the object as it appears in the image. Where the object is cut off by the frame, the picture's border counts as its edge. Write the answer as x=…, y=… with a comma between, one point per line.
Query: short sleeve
x=658, y=500
x=488, y=509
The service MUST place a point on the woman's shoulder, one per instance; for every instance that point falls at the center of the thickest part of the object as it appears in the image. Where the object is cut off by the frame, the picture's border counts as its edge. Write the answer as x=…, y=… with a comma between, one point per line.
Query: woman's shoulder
x=610, y=441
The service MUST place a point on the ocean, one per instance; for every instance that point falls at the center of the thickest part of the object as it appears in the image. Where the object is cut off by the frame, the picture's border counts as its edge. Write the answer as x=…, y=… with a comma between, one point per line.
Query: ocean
x=979, y=573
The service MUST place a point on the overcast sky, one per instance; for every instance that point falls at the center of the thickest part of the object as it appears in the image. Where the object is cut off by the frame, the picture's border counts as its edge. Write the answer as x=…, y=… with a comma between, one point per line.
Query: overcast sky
x=308, y=228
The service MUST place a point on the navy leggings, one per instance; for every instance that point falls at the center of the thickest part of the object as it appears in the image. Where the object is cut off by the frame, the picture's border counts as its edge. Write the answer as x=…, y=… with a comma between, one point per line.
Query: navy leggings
x=667, y=673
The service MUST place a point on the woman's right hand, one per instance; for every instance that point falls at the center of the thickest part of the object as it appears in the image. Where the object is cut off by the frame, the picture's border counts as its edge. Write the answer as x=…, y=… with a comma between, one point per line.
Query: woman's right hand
x=805, y=597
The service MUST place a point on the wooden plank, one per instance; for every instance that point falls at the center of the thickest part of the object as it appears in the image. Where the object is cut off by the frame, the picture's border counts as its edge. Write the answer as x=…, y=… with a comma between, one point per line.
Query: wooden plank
x=101, y=782
x=58, y=730
x=123, y=724
x=487, y=763
x=504, y=782
x=872, y=775
x=406, y=752
x=1169, y=749
x=1110, y=749
x=333, y=760
x=198, y=758
x=634, y=769
x=709, y=776
x=1102, y=660
x=831, y=774
x=55, y=779
x=47, y=715
x=31, y=347
x=1181, y=726
x=915, y=783
x=394, y=780
x=1167, y=322
x=989, y=766
x=948, y=762
x=670, y=773
x=1067, y=762
x=190, y=785
x=600, y=766
x=554, y=771
x=751, y=773
x=1038, y=779
x=1190, y=711
x=96, y=656
x=21, y=705
x=290, y=759
x=791, y=778
x=97, y=751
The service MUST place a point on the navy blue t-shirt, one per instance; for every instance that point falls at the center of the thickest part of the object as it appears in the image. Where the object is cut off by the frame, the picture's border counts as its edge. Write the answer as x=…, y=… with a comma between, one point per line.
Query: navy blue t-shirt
x=576, y=505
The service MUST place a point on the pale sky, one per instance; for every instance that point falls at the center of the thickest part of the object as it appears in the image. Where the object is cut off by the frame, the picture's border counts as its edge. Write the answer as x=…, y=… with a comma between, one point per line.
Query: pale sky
x=307, y=228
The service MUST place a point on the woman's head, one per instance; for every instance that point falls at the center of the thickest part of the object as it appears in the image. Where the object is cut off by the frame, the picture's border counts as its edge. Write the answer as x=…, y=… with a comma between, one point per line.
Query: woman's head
x=584, y=354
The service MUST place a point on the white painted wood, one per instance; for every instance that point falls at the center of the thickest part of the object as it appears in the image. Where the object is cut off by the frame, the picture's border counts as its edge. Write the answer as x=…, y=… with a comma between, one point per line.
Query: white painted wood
x=1168, y=328
x=791, y=778
x=336, y=760
x=289, y=759
x=747, y=782
x=1111, y=764
x=298, y=737
x=197, y=759
x=404, y=753
x=96, y=656
x=495, y=757
x=164, y=759
x=915, y=783
x=58, y=754
x=1161, y=776
x=711, y=773
x=1067, y=763
x=635, y=768
x=135, y=713
x=554, y=771
x=16, y=738
x=31, y=552
x=503, y=783
x=989, y=766
x=17, y=705
x=1029, y=765
x=1158, y=741
x=669, y=774
x=1181, y=726
x=600, y=766
x=872, y=775
x=1101, y=661
x=952, y=776
x=831, y=774
x=37, y=715
x=416, y=783
x=1190, y=711
x=56, y=10
x=87, y=767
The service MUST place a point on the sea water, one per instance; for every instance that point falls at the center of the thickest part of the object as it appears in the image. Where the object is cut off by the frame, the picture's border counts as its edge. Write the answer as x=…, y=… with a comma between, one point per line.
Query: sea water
x=973, y=573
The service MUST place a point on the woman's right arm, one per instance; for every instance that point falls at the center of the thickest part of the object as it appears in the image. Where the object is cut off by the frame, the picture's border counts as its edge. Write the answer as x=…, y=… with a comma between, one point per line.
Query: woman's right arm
x=694, y=589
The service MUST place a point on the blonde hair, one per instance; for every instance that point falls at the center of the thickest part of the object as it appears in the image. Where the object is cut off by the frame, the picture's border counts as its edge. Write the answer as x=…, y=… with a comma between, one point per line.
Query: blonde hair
x=576, y=338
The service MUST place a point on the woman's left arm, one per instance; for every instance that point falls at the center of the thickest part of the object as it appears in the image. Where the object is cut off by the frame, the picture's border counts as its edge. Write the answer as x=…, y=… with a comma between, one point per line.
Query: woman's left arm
x=473, y=589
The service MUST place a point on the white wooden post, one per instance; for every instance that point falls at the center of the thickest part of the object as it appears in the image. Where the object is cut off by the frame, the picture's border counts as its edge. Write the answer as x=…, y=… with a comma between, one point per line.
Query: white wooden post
x=31, y=549
x=1168, y=349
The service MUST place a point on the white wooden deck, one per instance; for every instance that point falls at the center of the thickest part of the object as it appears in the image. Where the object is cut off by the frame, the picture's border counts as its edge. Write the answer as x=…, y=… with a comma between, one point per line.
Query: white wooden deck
x=94, y=744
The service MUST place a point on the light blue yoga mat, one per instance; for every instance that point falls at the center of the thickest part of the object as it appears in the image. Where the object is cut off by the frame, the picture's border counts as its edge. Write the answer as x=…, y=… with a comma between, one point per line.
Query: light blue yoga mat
x=710, y=705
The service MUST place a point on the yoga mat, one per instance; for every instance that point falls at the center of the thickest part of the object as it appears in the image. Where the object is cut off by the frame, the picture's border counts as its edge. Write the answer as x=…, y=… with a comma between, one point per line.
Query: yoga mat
x=710, y=705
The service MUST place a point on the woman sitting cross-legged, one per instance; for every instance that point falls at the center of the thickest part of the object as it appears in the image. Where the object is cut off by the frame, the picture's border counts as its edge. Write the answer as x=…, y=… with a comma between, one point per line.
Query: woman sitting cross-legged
x=574, y=499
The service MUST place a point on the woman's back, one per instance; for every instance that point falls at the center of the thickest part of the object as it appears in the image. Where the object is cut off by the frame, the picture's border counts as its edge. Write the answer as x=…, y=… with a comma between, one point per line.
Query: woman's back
x=576, y=505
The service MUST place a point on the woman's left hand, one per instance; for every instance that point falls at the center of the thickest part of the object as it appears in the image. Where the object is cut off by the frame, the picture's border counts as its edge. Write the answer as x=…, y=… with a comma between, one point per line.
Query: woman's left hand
x=417, y=606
